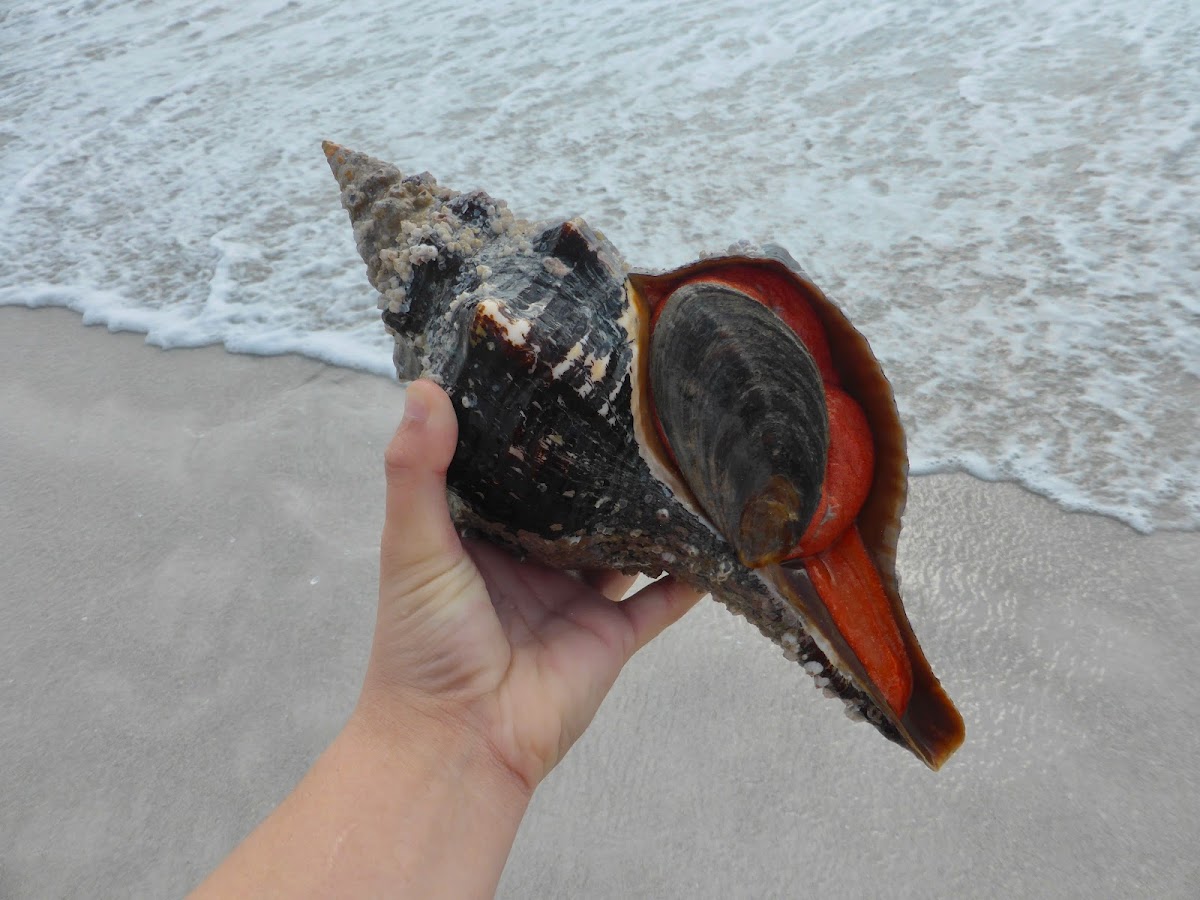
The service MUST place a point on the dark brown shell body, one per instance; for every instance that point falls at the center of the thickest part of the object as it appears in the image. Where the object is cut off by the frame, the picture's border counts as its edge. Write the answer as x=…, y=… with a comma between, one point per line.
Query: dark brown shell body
x=541, y=339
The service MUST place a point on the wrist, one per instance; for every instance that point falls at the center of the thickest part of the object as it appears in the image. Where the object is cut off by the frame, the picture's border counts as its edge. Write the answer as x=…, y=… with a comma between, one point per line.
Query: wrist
x=393, y=807
x=412, y=795
x=443, y=744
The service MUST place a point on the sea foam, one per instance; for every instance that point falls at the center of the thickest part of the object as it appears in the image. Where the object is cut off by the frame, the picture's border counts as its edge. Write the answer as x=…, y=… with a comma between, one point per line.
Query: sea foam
x=1004, y=198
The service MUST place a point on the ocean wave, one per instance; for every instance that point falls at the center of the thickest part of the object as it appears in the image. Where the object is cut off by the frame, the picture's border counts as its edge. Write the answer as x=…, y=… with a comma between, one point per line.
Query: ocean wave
x=1003, y=198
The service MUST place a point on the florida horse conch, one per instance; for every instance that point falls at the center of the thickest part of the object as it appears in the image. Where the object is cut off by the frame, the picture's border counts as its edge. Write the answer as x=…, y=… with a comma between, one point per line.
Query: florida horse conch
x=723, y=422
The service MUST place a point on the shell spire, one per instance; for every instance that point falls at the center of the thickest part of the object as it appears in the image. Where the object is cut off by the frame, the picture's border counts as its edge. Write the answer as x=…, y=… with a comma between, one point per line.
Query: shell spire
x=416, y=236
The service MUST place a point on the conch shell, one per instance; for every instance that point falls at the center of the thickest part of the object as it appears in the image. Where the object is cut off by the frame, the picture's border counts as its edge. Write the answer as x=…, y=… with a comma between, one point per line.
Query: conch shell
x=723, y=422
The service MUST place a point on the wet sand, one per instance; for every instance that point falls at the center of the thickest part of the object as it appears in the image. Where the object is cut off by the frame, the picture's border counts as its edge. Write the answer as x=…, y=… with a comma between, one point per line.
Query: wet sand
x=188, y=590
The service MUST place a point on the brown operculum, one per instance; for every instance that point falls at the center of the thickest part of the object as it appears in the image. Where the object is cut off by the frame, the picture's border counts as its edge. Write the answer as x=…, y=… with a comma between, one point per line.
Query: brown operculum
x=831, y=550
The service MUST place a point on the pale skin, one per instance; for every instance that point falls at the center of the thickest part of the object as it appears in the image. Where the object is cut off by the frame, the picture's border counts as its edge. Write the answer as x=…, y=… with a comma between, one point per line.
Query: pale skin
x=483, y=672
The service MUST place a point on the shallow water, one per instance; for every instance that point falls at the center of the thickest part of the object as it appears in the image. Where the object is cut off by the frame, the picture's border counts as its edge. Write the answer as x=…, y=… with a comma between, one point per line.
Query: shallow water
x=1005, y=199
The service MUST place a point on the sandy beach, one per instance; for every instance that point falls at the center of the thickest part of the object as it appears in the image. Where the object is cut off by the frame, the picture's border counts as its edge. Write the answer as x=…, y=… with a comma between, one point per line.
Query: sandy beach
x=189, y=562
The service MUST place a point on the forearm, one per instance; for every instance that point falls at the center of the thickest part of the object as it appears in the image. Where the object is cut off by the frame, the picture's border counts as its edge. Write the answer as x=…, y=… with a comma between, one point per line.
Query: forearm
x=394, y=807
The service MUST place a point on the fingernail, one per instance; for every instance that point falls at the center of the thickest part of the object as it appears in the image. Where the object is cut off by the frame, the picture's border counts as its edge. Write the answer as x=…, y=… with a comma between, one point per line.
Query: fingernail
x=416, y=409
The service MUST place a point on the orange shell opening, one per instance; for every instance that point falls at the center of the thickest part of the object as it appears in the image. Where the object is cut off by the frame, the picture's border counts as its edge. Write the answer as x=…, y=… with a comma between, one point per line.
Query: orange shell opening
x=901, y=679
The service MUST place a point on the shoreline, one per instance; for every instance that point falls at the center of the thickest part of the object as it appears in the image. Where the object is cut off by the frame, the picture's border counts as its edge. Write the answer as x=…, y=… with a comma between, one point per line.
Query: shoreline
x=189, y=595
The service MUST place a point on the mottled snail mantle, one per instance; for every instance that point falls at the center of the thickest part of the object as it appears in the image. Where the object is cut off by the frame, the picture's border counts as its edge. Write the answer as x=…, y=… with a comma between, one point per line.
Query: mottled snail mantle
x=723, y=422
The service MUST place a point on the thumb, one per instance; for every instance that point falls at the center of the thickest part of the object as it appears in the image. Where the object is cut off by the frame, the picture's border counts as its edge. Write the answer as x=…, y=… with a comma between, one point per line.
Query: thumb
x=419, y=538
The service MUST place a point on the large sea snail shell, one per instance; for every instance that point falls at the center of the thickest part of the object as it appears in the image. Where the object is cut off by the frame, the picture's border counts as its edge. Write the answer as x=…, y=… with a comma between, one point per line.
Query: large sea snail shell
x=722, y=421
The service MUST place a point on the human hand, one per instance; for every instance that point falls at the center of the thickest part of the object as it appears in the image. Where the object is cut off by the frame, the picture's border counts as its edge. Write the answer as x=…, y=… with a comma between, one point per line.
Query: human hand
x=483, y=672
x=517, y=654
